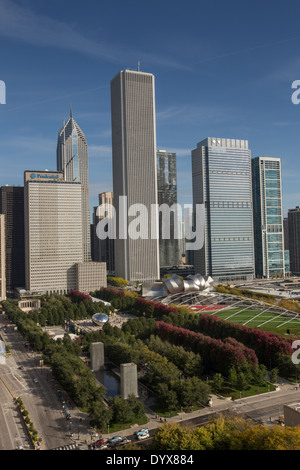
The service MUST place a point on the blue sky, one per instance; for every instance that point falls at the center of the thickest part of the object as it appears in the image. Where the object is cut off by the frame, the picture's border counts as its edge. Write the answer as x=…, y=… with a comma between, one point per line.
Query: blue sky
x=222, y=69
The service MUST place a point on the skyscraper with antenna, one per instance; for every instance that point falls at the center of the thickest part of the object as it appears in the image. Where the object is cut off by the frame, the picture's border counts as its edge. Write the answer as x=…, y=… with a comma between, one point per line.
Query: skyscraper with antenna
x=72, y=160
x=134, y=171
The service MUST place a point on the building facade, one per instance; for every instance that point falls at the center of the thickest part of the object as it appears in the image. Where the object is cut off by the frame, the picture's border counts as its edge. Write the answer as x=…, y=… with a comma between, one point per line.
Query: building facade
x=103, y=248
x=91, y=276
x=294, y=240
x=2, y=258
x=167, y=194
x=134, y=174
x=72, y=160
x=221, y=171
x=12, y=205
x=53, y=232
x=267, y=217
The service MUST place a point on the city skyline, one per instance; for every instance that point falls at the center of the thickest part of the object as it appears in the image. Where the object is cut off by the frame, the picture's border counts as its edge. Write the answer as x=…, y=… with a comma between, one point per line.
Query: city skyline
x=205, y=83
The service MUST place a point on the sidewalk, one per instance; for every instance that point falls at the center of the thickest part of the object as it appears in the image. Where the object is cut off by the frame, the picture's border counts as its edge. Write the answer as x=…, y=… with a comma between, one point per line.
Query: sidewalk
x=218, y=405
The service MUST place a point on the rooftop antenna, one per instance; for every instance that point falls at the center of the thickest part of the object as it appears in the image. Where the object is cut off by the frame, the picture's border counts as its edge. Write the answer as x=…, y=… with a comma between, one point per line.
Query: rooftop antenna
x=139, y=66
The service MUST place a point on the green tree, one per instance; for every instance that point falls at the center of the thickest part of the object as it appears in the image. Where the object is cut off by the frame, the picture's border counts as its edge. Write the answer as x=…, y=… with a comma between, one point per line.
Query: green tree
x=259, y=437
x=259, y=374
x=232, y=377
x=242, y=383
x=273, y=375
x=166, y=397
x=121, y=410
x=101, y=415
x=217, y=383
x=136, y=406
x=172, y=436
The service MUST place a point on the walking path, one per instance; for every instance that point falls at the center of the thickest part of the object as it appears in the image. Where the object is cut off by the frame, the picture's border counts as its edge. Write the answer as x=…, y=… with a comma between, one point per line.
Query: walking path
x=218, y=405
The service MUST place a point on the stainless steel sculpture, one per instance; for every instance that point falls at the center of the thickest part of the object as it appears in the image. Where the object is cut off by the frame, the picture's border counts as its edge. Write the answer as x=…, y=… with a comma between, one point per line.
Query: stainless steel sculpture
x=193, y=283
x=100, y=318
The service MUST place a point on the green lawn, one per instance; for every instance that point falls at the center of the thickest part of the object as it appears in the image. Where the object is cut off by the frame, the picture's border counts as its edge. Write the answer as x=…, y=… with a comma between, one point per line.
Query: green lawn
x=257, y=319
x=115, y=427
x=249, y=392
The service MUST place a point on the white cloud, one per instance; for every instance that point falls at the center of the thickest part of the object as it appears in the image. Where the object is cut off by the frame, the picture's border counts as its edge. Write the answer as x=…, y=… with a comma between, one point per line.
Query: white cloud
x=19, y=22
x=103, y=151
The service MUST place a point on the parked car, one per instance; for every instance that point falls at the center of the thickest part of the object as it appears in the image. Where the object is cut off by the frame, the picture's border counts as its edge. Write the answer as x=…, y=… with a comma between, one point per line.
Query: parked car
x=124, y=441
x=141, y=431
x=102, y=447
x=99, y=443
x=143, y=435
x=114, y=440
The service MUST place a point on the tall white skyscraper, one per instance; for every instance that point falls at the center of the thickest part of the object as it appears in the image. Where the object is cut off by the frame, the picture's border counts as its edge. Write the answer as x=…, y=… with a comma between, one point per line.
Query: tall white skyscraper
x=72, y=160
x=134, y=170
x=53, y=232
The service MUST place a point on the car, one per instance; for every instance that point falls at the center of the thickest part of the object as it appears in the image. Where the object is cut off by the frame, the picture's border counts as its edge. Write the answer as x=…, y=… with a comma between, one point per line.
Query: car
x=114, y=440
x=99, y=443
x=143, y=436
x=124, y=441
x=141, y=431
x=35, y=380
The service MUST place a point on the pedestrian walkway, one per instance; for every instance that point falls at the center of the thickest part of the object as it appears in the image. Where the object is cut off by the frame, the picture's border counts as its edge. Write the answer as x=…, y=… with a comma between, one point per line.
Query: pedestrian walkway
x=88, y=435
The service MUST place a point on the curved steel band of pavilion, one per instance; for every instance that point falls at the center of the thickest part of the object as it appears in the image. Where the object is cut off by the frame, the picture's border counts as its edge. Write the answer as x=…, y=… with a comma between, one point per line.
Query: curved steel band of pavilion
x=192, y=283
x=197, y=292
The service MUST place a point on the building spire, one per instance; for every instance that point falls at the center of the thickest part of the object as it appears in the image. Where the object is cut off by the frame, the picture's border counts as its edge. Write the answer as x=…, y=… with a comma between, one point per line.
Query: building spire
x=71, y=114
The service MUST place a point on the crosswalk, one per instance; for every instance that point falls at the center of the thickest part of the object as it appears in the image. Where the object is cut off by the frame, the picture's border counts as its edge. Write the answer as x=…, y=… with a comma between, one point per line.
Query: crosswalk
x=67, y=447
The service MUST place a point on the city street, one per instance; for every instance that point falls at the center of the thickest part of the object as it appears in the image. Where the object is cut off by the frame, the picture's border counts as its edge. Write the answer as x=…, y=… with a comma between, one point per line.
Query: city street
x=24, y=376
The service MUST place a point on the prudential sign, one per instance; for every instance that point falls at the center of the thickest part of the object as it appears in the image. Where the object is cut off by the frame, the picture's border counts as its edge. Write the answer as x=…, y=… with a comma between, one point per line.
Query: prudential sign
x=45, y=175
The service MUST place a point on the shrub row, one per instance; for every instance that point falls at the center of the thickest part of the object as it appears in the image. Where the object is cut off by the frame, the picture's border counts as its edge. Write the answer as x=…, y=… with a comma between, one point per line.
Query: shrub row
x=265, y=344
x=216, y=354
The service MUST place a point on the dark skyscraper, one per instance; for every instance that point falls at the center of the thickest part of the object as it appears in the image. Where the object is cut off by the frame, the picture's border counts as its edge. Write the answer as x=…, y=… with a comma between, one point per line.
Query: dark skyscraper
x=12, y=205
x=294, y=240
x=167, y=194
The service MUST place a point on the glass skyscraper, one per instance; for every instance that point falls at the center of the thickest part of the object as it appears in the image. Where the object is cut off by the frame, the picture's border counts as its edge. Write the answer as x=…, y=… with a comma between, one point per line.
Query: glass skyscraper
x=72, y=160
x=294, y=240
x=12, y=205
x=267, y=216
x=221, y=170
x=167, y=194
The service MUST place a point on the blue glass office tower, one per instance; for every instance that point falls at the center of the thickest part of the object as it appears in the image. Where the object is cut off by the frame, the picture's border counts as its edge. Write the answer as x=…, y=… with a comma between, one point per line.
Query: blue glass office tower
x=221, y=171
x=267, y=216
